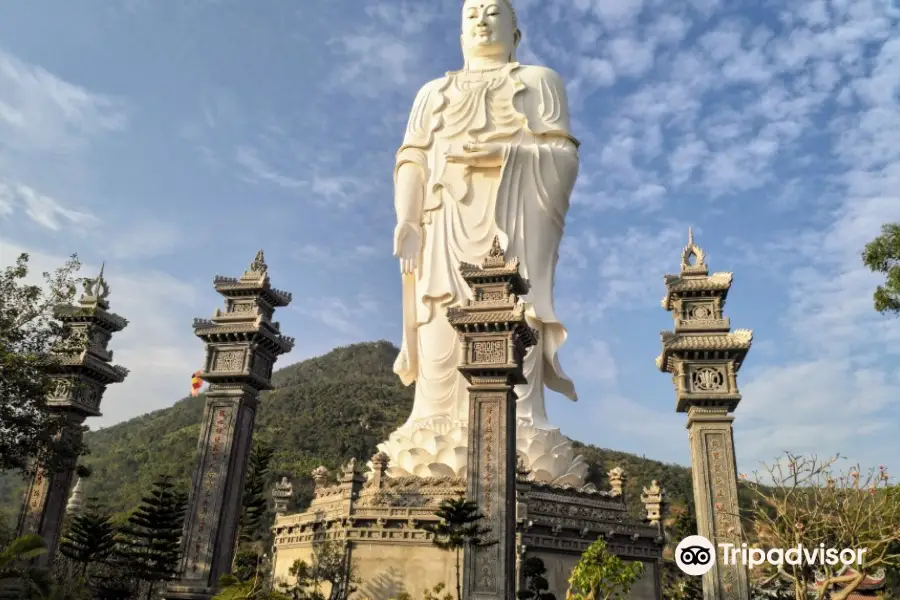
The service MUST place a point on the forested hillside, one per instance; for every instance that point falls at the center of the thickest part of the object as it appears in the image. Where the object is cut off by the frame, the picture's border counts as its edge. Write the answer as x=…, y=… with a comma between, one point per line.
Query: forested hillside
x=323, y=411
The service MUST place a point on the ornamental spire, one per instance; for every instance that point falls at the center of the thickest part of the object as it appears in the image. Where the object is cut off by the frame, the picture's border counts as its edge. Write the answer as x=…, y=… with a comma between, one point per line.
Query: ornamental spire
x=96, y=290
x=697, y=266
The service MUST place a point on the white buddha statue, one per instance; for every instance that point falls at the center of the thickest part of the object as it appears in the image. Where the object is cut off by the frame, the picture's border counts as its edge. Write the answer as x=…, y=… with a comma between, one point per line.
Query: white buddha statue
x=487, y=152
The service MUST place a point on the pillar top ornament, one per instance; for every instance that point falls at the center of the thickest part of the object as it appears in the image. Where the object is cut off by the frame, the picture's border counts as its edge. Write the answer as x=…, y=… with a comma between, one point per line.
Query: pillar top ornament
x=242, y=341
x=82, y=361
x=702, y=353
x=617, y=477
x=694, y=278
x=254, y=283
x=281, y=494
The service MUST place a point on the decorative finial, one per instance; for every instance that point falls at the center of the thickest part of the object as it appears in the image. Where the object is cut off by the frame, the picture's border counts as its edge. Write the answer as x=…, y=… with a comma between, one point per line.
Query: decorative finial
x=617, y=477
x=692, y=250
x=258, y=269
x=496, y=257
x=259, y=263
x=496, y=250
x=96, y=289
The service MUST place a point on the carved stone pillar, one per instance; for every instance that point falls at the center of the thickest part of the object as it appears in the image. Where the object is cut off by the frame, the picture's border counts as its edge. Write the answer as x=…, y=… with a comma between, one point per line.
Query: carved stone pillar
x=281, y=495
x=715, y=493
x=82, y=370
x=242, y=344
x=495, y=336
x=704, y=355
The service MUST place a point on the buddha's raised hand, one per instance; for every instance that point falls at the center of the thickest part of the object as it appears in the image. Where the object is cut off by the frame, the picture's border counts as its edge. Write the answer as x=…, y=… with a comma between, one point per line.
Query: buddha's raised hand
x=489, y=155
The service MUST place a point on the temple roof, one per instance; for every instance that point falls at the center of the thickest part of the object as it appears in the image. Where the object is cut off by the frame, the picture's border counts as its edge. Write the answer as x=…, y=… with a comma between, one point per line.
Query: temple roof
x=738, y=341
x=694, y=276
x=254, y=281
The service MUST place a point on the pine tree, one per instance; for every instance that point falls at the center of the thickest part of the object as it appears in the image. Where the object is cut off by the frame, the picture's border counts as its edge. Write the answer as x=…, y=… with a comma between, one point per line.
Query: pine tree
x=91, y=537
x=149, y=544
x=254, y=500
x=459, y=527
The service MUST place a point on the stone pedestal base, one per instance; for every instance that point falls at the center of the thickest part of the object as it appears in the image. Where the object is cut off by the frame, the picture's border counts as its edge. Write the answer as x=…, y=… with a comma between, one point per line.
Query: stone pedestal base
x=381, y=519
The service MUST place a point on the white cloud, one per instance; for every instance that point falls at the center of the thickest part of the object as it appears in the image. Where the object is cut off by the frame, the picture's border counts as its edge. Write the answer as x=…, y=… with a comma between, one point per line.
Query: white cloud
x=821, y=406
x=39, y=112
x=43, y=210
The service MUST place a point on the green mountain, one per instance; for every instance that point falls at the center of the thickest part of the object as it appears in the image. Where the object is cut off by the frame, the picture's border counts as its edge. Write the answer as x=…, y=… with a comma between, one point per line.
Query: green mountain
x=322, y=411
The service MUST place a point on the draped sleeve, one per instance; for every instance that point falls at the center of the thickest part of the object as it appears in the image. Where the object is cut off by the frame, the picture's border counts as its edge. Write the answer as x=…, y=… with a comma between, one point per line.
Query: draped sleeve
x=424, y=120
x=545, y=104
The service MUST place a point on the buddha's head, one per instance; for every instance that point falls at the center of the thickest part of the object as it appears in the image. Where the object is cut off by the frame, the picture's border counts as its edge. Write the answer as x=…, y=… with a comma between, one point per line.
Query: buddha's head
x=489, y=30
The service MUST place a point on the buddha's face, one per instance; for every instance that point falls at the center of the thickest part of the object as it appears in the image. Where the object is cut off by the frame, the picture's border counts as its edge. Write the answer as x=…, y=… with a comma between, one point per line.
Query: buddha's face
x=488, y=29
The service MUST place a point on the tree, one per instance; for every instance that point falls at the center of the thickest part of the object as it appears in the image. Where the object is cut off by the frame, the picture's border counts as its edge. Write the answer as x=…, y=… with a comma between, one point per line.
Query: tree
x=28, y=333
x=808, y=504
x=459, y=527
x=331, y=565
x=601, y=575
x=255, y=502
x=882, y=255
x=149, y=543
x=536, y=585
x=90, y=539
x=18, y=577
x=248, y=581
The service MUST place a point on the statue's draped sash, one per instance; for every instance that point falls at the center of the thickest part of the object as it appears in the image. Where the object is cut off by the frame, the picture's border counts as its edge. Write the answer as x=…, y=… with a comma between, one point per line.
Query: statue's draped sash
x=524, y=108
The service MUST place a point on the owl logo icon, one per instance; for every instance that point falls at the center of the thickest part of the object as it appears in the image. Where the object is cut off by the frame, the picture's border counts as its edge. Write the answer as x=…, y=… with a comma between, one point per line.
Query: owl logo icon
x=695, y=555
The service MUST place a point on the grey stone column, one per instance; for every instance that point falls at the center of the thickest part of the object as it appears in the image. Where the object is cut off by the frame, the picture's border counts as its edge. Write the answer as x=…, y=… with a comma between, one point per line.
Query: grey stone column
x=495, y=337
x=242, y=344
x=81, y=370
x=703, y=356
x=46, y=498
x=715, y=491
x=490, y=571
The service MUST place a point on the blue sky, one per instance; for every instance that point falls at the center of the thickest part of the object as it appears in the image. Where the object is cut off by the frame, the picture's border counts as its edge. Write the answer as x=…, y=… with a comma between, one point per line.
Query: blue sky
x=174, y=139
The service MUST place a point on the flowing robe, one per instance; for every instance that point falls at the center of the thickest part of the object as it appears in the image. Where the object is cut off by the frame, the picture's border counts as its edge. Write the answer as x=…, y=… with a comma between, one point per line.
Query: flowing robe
x=524, y=203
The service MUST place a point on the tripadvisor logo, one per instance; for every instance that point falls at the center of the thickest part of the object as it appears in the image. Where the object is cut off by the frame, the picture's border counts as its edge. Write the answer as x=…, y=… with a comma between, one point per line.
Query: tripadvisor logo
x=696, y=555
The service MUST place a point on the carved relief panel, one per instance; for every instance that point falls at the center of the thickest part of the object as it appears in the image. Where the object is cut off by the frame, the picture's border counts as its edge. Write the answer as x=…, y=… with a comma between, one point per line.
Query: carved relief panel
x=228, y=360
x=490, y=351
x=708, y=378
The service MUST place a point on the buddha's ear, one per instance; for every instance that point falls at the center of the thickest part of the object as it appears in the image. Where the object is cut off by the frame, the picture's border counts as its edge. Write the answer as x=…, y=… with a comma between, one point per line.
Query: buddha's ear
x=517, y=37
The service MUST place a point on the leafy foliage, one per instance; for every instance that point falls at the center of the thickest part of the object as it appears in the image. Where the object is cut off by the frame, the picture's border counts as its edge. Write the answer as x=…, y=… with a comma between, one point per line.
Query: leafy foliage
x=331, y=566
x=149, y=544
x=459, y=527
x=601, y=575
x=882, y=255
x=28, y=332
x=809, y=504
x=249, y=580
x=19, y=578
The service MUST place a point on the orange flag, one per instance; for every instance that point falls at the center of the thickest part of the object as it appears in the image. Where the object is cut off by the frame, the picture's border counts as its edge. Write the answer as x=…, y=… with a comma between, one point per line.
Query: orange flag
x=196, y=383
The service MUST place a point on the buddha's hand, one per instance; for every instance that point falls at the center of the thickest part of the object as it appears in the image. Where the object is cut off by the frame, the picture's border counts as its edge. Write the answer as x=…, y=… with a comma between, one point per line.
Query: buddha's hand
x=407, y=244
x=488, y=155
